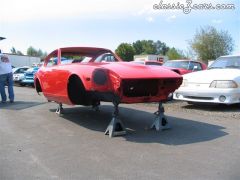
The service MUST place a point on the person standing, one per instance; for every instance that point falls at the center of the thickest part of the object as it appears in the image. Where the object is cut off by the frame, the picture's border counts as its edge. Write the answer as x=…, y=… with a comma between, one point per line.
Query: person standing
x=6, y=77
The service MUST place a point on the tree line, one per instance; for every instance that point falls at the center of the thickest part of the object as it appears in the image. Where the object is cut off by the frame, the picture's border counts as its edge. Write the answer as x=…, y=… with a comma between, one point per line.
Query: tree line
x=208, y=43
x=31, y=51
x=127, y=51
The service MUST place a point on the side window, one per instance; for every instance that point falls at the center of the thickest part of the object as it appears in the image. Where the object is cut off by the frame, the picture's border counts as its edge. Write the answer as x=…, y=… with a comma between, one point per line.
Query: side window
x=196, y=66
x=22, y=70
x=17, y=71
x=184, y=65
x=66, y=60
x=52, y=62
x=106, y=57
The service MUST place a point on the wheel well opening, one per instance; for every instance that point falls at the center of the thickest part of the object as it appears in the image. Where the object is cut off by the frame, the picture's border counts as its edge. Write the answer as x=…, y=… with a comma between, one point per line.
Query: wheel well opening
x=38, y=86
x=76, y=90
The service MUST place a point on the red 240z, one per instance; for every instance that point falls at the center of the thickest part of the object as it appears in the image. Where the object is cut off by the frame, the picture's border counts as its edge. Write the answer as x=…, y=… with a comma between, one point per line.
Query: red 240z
x=87, y=75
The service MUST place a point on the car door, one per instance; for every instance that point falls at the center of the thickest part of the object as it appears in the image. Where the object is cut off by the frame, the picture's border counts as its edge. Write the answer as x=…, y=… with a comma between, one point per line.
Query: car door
x=49, y=76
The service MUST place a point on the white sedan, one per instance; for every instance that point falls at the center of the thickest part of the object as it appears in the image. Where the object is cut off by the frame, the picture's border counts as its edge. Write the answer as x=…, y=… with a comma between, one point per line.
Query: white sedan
x=18, y=73
x=220, y=83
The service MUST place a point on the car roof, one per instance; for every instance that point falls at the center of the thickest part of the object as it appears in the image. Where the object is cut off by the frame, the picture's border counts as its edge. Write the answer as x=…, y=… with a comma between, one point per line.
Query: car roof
x=84, y=50
x=179, y=60
x=92, y=51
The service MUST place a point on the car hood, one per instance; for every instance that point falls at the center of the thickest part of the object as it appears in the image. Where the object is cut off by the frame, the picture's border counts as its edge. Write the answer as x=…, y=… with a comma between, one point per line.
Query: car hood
x=207, y=76
x=131, y=70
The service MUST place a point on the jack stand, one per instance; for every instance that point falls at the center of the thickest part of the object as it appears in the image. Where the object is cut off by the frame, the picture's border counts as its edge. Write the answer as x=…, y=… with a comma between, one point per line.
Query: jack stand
x=115, y=127
x=59, y=110
x=95, y=106
x=160, y=122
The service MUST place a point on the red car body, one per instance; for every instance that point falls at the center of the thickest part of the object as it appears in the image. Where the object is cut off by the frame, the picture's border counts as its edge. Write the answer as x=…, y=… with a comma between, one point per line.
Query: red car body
x=86, y=75
x=184, y=66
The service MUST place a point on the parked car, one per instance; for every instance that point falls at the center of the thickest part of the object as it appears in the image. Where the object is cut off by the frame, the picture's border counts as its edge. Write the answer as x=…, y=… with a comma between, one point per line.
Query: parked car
x=29, y=77
x=184, y=66
x=219, y=84
x=18, y=73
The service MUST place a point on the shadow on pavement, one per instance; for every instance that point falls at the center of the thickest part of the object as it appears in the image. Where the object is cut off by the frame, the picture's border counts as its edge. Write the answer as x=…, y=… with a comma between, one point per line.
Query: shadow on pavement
x=184, y=131
x=215, y=108
x=19, y=105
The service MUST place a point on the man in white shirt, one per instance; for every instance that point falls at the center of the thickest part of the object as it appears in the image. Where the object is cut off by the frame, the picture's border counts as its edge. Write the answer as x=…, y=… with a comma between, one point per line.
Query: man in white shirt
x=6, y=77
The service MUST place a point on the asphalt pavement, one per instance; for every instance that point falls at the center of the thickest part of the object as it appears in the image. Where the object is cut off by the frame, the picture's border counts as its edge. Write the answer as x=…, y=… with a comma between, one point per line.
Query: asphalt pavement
x=36, y=143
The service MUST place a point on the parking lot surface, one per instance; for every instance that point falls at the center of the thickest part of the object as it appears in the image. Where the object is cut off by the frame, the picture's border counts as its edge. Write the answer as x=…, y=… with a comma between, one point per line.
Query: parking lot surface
x=36, y=143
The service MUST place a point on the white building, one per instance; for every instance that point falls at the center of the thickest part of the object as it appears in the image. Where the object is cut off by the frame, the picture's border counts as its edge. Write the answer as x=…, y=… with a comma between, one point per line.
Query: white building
x=150, y=57
x=21, y=60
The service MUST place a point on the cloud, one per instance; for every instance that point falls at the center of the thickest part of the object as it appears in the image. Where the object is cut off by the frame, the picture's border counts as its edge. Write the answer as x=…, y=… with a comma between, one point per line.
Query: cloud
x=217, y=21
x=25, y=10
x=171, y=18
x=150, y=19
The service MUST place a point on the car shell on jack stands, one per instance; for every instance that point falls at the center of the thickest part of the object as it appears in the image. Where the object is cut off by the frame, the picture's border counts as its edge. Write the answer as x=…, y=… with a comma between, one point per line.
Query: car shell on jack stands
x=88, y=75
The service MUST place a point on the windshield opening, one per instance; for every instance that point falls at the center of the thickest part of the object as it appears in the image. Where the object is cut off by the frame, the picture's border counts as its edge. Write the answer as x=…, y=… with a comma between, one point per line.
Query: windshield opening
x=177, y=64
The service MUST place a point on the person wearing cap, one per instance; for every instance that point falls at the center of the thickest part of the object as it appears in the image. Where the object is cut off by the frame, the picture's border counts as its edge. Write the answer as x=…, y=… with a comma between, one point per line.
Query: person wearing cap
x=6, y=77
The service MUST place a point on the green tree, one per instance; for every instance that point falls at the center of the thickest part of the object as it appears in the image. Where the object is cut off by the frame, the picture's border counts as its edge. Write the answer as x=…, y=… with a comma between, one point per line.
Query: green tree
x=175, y=54
x=14, y=51
x=209, y=43
x=148, y=47
x=125, y=51
x=44, y=55
x=138, y=47
x=19, y=53
x=144, y=47
x=31, y=51
x=161, y=48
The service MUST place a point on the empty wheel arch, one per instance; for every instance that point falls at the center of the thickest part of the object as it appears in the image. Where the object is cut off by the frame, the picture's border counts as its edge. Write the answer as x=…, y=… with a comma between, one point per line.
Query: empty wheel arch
x=38, y=86
x=76, y=91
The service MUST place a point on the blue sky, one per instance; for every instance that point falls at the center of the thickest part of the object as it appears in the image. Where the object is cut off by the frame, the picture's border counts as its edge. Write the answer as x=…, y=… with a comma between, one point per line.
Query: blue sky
x=50, y=24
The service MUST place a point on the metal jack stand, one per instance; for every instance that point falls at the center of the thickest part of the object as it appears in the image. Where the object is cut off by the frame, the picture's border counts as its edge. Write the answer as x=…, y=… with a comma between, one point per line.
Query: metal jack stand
x=96, y=106
x=59, y=110
x=115, y=127
x=160, y=122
